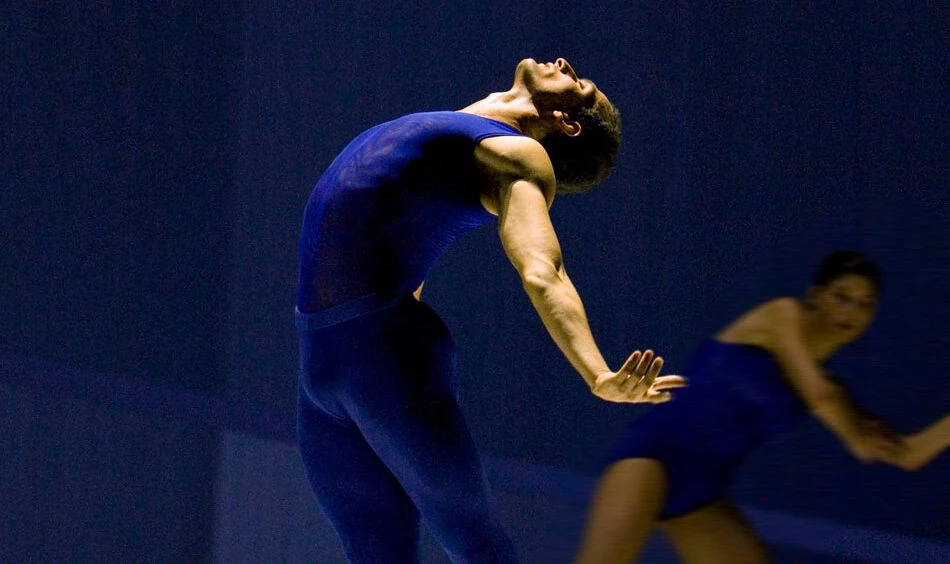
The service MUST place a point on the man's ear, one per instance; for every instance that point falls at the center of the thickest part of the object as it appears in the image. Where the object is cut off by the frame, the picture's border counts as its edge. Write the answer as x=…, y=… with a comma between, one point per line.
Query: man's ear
x=564, y=124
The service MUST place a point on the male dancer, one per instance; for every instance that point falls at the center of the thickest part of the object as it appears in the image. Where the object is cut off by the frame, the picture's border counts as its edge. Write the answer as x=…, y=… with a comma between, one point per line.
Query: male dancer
x=379, y=429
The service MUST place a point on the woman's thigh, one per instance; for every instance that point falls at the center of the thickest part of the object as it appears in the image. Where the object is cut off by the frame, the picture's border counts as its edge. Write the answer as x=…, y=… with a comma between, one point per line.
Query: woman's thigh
x=625, y=506
x=716, y=534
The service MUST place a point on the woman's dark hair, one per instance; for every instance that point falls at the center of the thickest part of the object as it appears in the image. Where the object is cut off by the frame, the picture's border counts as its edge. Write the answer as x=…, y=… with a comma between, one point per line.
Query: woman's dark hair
x=841, y=263
x=586, y=160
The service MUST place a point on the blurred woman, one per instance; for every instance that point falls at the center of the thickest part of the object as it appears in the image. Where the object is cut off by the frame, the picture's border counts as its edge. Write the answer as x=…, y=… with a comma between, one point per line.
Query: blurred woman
x=753, y=380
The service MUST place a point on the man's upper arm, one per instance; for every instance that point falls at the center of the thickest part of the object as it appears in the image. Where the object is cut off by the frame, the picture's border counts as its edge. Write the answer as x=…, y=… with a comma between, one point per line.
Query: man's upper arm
x=526, y=232
x=525, y=192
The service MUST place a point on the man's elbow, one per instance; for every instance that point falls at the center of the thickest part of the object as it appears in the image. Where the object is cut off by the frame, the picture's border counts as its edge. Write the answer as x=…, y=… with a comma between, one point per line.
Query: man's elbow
x=539, y=277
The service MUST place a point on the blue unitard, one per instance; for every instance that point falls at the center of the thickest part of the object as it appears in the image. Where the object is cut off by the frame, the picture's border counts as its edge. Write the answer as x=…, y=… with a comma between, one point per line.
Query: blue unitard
x=379, y=428
x=736, y=400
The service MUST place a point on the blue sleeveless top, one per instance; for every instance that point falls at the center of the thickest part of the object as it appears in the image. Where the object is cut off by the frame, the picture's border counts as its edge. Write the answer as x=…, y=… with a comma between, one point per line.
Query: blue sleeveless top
x=737, y=399
x=388, y=206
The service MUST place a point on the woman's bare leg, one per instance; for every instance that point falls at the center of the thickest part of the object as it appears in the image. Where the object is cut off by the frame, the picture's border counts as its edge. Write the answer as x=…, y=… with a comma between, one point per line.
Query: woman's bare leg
x=715, y=534
x=628, y=499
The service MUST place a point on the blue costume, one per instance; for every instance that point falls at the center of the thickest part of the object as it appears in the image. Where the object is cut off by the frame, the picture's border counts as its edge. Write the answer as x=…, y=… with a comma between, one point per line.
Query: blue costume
x=736, y=400
x=379, y=428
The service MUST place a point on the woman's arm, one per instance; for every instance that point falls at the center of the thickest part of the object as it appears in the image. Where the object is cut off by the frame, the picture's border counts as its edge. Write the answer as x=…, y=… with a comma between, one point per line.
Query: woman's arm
x=827, y=400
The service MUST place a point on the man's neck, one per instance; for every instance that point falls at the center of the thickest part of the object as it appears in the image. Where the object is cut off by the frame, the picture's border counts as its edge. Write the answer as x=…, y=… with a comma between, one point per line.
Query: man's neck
x=513, y=108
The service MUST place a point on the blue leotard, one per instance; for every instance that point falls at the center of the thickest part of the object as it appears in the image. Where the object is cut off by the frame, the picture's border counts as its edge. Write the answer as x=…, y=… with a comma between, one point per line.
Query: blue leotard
x=388, y=206
x=378, y=425
x=736, y=400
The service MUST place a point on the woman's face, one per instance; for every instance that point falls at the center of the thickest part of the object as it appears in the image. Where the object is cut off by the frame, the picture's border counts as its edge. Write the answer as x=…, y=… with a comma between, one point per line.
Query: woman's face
x=845, y=306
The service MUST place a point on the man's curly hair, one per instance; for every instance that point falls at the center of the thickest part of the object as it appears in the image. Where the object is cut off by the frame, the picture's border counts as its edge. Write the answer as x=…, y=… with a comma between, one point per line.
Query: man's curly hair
x=586, y=160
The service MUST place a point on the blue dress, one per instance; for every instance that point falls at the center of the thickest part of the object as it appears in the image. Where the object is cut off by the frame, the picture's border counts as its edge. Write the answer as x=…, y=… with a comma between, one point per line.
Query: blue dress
x=736, y=400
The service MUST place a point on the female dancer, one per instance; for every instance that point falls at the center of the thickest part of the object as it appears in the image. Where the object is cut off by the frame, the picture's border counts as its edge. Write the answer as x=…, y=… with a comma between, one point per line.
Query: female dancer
x=754, y=380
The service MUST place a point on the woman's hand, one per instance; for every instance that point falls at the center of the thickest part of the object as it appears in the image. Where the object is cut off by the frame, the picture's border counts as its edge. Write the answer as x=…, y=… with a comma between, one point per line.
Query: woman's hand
x=877, y=441
x=637, y=381
x=922, y=447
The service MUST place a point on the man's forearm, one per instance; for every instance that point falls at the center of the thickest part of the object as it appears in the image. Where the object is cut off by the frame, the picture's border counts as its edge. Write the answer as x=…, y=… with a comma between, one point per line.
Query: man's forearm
x=557, y=302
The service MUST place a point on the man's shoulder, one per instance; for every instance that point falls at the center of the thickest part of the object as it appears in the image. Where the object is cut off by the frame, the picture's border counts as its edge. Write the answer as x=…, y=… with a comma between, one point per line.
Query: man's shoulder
x=439, y=124
x=516, y=155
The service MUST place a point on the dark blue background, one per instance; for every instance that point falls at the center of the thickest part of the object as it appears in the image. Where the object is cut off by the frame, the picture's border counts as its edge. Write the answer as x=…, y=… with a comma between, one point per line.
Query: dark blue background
x=156, y=159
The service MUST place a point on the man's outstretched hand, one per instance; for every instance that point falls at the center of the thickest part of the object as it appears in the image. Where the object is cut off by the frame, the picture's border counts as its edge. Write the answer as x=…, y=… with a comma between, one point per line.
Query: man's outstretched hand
x=637, y=381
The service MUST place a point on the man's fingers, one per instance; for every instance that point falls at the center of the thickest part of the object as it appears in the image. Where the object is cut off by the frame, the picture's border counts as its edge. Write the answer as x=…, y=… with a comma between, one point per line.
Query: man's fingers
x=643, y=374
x=631, y=363
x=644, y=365
x=659, y=397
x=655, y=368
x=669, y=382
x=639, y=380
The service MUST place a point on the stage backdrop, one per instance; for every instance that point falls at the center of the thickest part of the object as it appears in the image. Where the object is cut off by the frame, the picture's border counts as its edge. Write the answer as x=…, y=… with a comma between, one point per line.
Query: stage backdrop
x=757, y=139
x=118, y=139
